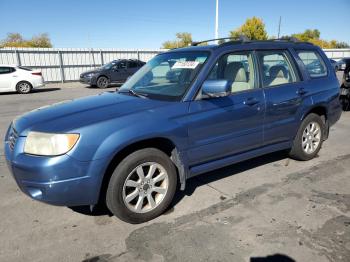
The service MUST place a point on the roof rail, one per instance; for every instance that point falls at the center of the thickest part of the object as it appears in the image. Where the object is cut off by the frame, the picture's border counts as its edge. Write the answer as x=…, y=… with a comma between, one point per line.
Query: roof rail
x=241, y=38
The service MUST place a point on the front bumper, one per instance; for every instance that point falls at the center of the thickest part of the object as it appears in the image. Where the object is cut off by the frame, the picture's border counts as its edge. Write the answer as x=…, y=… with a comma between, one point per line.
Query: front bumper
x=87, y=80
x=60, y=180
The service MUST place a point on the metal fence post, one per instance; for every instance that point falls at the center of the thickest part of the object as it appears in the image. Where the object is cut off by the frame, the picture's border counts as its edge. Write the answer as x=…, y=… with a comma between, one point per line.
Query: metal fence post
x=138, y=55
x=61, y=65
x=101, y=54
x=18, y=58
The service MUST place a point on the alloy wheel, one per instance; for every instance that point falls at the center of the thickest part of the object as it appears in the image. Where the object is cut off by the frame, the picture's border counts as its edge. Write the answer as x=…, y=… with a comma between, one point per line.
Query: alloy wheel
x=145, y=187
x=311, y=137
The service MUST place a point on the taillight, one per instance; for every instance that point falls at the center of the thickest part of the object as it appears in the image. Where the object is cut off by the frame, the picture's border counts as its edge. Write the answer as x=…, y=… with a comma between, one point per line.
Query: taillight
x=37, y=73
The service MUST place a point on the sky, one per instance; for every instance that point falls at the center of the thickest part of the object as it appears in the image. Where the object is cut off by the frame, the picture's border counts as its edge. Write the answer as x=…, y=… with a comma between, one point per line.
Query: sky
x=149, y=23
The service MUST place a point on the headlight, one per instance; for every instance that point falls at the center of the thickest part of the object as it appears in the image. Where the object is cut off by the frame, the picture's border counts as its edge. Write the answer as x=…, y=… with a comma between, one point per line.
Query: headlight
x=47, y=144
x=89, y=75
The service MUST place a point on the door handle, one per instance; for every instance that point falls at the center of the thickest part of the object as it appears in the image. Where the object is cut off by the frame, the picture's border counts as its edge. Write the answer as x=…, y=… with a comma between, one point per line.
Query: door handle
x=251, y=101
x=301, y=91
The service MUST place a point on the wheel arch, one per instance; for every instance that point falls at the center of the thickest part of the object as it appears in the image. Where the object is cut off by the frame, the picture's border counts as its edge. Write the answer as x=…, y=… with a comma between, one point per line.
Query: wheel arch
x=322, y=111
x=163, y=144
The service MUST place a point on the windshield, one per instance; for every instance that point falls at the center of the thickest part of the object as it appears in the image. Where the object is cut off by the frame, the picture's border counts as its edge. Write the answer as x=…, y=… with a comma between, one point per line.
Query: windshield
x=167, y=76
x=109, y=65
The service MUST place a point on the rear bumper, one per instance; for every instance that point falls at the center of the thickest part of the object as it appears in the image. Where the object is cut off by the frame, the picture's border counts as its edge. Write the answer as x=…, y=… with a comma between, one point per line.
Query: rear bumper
x=60, y=180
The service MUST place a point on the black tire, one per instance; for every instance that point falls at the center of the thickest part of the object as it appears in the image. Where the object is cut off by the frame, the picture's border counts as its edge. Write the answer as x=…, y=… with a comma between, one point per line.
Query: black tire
x=345, y=102
x=297, y=152
x=24, y=87
x=115, y=195
x=102, y=82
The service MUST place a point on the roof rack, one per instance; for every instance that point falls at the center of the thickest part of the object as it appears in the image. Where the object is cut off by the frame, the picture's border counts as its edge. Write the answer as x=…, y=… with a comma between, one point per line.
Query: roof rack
x=241, y=38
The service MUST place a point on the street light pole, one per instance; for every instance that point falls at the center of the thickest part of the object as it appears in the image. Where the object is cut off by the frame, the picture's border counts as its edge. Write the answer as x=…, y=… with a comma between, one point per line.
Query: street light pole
x=217, y=21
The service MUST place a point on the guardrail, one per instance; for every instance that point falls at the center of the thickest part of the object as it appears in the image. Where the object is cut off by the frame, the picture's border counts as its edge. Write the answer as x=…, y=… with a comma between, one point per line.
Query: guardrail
x=66, y=64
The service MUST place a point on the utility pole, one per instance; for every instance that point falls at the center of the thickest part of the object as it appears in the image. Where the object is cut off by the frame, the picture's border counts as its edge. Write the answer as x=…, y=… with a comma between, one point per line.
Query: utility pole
x=217, y=22
x=279, y=28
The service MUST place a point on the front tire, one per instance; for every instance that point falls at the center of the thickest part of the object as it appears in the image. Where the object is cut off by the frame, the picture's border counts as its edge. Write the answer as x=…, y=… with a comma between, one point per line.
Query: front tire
x=142, y=186
x=309, y=138
x=102, y=82
x=24, y=87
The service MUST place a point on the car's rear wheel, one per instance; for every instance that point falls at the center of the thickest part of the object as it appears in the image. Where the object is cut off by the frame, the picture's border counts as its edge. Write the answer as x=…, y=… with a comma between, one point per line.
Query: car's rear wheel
x=142, y=186
x=102, y=82
x=309, y=138
x=24, y=87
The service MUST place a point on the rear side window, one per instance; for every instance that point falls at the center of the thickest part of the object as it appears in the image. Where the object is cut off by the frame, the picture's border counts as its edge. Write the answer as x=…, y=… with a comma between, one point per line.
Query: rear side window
x=277, y=68
x=313, y=63
x=6, y=70
x=132, y=64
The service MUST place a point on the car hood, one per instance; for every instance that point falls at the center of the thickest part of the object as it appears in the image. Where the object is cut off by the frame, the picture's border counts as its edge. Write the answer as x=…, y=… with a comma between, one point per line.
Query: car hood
x=73, y=114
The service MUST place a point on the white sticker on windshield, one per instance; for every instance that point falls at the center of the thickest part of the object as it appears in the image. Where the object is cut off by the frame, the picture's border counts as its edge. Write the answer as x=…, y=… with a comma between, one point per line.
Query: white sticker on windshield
x=185, y=64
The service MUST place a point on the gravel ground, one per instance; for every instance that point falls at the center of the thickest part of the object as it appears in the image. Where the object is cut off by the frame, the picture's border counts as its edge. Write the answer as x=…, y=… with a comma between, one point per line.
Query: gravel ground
x=266, y=208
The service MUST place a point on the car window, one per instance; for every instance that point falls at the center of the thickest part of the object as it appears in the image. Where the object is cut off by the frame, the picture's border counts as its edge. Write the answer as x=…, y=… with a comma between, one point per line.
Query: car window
x=276, y=67
x=6, y=70
x=132, y=64
x=313, y=63
x=167, y=76
x=238, y=68
x=122, y=65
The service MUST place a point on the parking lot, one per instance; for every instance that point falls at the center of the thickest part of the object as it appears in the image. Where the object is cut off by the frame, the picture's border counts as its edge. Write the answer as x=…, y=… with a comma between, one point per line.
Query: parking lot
x=266, y=208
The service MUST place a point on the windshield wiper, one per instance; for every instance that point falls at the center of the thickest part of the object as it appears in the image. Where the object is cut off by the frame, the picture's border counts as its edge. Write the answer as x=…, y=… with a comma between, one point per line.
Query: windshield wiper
x=133, y=92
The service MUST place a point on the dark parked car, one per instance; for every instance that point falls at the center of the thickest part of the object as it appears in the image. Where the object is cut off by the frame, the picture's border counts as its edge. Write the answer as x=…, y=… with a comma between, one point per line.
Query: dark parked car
x=117, y=71
x=334, y=64
x=344, y=63
x=188, y=111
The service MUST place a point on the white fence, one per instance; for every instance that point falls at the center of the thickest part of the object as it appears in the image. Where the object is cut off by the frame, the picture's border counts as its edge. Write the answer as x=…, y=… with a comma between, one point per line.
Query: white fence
x=66, y=64
x=337, y=54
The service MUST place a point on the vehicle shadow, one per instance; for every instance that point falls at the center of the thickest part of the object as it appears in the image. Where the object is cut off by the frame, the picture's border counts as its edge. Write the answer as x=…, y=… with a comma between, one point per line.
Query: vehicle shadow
x=273, y=258
x=231, y=170
x=195, y=182
x=41, y=90
x=117, y=86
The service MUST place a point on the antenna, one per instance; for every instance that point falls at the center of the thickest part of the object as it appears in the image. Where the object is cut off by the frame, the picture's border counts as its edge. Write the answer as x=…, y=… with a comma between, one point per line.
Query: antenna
x=279, y=27
x=217, y=21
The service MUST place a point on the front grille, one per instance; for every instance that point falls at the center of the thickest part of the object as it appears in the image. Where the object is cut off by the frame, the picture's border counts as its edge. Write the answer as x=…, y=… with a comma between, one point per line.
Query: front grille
x=12, y=138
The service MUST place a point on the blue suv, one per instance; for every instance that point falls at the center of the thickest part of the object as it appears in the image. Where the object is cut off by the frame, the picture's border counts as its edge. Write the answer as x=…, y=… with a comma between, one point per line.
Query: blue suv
x=186, y=112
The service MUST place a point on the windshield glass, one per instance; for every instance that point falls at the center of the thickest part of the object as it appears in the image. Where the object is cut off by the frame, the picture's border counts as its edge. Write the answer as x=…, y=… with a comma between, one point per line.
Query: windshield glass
x=167, y=76
x=109, y=65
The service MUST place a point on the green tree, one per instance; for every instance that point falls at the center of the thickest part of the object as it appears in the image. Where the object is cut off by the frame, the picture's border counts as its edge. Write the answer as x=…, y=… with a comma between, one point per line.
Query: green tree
x=342, y=45
x=182, y=39
x=16, y=40
x=253, y=28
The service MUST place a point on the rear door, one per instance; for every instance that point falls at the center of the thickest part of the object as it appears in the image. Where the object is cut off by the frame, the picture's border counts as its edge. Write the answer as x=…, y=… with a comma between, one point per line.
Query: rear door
x=7, y=77
x=284, y=93
x=225, y=126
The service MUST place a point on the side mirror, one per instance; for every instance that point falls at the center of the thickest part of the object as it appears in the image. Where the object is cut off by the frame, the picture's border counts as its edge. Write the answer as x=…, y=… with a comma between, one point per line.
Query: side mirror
x=216, y=88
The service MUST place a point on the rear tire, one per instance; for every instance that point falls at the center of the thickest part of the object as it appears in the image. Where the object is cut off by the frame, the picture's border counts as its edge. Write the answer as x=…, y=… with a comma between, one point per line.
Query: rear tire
x=24, y=87
x=102, y=82
x=142, y=186
x=309, y=138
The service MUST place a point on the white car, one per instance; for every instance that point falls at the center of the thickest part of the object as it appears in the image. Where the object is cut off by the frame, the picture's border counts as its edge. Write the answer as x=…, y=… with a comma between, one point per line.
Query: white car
x=20, y=79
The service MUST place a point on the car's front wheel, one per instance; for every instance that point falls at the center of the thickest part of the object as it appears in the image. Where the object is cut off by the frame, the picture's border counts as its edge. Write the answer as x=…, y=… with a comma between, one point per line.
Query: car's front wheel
x=102, y=82
x=309, y=138
x=24, y=87
x=142, y=186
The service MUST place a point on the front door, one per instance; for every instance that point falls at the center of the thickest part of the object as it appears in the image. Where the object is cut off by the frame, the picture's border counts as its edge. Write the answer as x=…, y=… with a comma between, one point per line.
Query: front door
x=119, y=72
x=225, y=126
